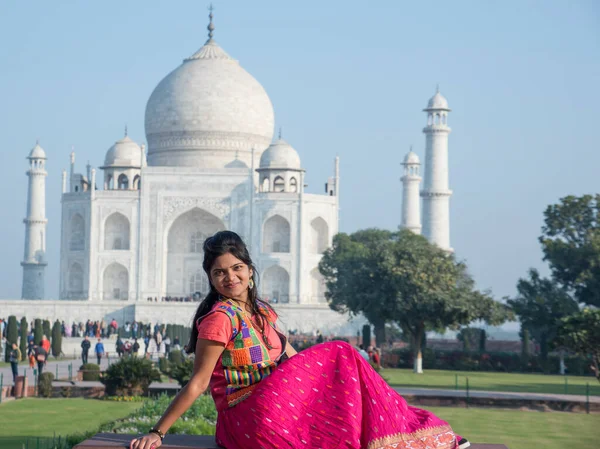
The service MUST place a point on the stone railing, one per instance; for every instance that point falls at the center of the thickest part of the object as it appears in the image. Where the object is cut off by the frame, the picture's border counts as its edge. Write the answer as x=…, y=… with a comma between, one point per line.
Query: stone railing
x=113, y=441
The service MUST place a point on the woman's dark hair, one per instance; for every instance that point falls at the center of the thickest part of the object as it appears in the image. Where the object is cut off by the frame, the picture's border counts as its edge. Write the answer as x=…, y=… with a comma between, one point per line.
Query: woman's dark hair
x=225, y=242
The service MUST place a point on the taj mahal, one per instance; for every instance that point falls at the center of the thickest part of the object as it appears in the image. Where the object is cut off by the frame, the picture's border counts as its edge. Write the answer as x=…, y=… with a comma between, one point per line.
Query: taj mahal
x=132, y=229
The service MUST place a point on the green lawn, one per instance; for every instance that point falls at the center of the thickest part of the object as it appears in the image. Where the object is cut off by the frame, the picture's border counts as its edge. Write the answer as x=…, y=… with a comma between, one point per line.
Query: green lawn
x=44, y=417
x=523, y=429
x=490, y=381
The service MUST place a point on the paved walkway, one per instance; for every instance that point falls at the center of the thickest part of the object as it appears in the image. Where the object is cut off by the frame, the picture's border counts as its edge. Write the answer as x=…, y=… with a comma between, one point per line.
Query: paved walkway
x=495, y=395
x=51, y=366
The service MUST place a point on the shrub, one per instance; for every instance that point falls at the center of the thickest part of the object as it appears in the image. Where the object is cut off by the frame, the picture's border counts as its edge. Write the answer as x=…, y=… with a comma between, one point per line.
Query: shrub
x=164, y=365
x=90, y=371
x=12, y=335
x=23, y=343
x=176, y=357
x=182, y=372
x=130, y=376
x=45, y=385
x=56, y=339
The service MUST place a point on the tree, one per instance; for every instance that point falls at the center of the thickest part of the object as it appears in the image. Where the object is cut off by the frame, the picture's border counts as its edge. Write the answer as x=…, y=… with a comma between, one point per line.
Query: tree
x=571, y=244
x=37, y=331
x=56, y=339
x=472, y=339
x=355, y=279
x=366, y=336
x=401, y=277
x=540, y=305
x=46, y=328
x=581, y=333
x=23, y=342
x=12, y=335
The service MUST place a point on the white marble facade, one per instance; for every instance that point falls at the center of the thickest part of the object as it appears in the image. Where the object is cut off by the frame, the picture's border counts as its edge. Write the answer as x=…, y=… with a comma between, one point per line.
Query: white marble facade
x=210, y=166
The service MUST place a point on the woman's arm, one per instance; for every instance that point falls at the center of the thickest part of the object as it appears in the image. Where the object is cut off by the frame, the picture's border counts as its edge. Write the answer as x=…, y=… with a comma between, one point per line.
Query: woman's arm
x=289, y=349
x=207, y=355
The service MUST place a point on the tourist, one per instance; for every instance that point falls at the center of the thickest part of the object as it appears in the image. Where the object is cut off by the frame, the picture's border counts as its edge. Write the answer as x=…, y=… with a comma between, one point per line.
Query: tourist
x=176, y=344
x=99, y=350
x=40, y=355
x=167, y=342
x=45, y=344
x=377, y=357
x=119, y=347
x=135, y=348
x=31, y=353
x=15, y=358
x=271, y=385
x=85, y=348
x=361, y=351
x=134, y=330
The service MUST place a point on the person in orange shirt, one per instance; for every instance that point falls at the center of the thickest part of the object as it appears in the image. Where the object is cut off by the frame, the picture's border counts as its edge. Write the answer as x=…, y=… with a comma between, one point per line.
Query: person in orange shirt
x=45, y=344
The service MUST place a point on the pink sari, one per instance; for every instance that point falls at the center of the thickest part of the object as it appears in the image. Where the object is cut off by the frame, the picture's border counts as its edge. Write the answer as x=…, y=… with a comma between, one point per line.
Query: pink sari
x=327, y=397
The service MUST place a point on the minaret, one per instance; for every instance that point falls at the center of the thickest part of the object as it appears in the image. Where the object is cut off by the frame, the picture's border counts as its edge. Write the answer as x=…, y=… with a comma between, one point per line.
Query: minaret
x=34, y=260
x=435, y=193
x=411, y=209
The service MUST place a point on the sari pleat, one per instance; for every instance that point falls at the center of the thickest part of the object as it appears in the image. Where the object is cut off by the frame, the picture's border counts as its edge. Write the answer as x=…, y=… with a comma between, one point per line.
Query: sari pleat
x=326, y=397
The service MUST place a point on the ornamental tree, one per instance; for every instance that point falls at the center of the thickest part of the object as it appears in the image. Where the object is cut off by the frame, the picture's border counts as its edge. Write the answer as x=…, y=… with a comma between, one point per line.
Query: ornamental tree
x=571, y=244
x=581, y=333
x=12, y=335
x=540, y=305
x=56, y=339
x=400, y=277
x=23, y=341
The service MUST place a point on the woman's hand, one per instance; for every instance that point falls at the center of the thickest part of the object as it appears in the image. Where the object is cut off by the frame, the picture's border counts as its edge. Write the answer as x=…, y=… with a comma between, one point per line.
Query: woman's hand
x=150, y=441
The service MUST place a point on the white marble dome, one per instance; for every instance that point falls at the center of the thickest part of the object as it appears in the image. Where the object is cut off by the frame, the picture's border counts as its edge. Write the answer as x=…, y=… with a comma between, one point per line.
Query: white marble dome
x=280, y=155
x=437, y=102
x=411, y=158
x=37, y=152
x=207, y=111
x=124, y=153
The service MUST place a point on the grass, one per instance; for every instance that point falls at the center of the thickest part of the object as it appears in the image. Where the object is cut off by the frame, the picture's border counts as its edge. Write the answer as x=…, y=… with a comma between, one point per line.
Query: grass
x=523, y=429
x=34, y=417
x=491, y=381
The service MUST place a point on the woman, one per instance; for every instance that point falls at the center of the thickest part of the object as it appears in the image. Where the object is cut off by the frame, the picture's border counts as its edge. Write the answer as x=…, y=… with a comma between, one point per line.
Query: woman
x=267, y=395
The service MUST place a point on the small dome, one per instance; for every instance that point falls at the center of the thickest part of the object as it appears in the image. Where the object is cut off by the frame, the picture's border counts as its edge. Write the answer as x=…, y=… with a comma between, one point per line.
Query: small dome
x=280, y=155
x=124, y=153
x=37, y=152
x=437, y=102
x=411, y=158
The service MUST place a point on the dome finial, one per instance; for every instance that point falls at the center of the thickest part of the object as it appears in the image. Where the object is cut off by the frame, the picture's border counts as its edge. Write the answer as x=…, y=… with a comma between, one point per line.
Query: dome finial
x=280, y=129
x=37, y=141
x=437, y=88
x=125, y=130
x=211, y=26
x=410, y=148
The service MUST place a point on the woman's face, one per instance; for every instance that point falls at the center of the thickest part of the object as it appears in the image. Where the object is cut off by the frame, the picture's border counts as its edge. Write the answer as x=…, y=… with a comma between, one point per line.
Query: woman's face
x=230, y=277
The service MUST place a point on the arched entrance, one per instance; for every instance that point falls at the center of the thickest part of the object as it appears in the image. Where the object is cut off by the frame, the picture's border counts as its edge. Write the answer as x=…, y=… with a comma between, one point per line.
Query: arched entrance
x=185, y=275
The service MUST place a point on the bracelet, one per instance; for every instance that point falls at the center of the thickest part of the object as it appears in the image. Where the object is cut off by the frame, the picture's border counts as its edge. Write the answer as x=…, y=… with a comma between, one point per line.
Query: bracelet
x=157, y=432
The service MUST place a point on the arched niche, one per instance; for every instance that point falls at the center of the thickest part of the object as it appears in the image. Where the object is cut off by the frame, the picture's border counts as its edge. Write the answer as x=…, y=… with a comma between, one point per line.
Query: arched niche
x=116, y=232
x=319, y=236
x=77, y=233
x=276, y=284
x=185, y=239
x=115, y=282
x=318, y=286
x=276, y=235
x=75, y=280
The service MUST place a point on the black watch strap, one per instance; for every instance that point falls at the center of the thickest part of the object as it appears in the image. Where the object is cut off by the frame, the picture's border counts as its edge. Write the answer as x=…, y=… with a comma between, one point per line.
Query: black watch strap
x=158, y=432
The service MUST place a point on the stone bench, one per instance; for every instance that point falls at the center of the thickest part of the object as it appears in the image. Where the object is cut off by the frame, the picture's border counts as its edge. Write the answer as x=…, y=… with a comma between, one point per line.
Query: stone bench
x=113, y=440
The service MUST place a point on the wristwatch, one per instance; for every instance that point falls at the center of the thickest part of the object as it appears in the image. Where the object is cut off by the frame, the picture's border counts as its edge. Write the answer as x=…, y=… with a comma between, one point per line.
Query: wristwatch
x=157, y=432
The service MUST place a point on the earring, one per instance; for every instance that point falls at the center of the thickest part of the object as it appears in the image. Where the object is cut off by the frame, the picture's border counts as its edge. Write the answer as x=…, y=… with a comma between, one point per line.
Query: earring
x=250, y=284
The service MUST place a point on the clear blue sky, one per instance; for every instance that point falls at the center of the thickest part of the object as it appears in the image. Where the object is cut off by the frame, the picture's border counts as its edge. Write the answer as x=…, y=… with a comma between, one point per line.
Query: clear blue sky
x=345, y=77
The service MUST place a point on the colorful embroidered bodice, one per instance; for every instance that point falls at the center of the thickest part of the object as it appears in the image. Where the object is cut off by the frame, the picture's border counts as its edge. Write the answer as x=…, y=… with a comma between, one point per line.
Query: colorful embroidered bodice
x=246, y=360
